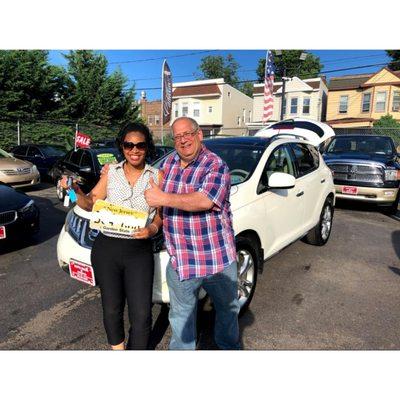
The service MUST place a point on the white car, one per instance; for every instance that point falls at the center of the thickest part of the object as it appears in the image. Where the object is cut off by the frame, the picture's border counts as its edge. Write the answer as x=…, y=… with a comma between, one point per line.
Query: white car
x=281, y=191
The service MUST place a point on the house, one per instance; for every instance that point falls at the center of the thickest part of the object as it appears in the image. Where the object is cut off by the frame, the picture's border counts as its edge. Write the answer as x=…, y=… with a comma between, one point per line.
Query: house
x=150, y=112
x=303, y=97
x=218, y=107
x=359, y=100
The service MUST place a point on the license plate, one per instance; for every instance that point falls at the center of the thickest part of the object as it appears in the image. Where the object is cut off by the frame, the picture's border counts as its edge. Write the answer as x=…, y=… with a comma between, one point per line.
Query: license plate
x=349, y=190
x=2, y=232
x=81, y=272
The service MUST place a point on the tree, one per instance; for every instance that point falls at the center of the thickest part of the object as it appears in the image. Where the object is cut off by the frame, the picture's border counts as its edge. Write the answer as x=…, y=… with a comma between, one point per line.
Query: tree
x=387, y=125
x=213, y=67
x=309, y=68
x=395, y=56
x=95, y=96
x=29, y=85
x=247, y=88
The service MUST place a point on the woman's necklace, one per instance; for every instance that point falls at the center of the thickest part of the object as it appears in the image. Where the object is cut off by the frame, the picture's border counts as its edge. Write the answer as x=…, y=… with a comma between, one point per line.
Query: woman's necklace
x=132, y=177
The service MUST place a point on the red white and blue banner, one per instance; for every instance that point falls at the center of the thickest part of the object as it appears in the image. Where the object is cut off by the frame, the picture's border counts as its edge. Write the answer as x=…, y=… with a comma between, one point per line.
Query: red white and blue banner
x=268, y=87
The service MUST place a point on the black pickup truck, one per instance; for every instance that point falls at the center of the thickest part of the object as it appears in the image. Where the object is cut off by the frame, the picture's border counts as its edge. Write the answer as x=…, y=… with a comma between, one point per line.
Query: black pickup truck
x=365, y=168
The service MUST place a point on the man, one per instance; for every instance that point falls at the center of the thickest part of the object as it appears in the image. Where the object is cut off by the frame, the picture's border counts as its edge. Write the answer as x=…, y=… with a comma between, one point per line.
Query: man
x=197, y=223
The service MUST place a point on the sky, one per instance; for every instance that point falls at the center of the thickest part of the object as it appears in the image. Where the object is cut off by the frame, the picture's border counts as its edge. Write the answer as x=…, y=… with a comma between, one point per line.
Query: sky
x=143, y=67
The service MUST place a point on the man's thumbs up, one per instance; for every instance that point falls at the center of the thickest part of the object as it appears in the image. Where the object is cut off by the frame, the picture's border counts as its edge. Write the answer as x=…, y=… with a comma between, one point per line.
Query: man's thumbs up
x=154, y=195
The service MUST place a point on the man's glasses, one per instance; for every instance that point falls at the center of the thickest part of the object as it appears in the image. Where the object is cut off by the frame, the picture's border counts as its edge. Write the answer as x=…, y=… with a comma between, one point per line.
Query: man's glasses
x=131, y=145
x=186, y=135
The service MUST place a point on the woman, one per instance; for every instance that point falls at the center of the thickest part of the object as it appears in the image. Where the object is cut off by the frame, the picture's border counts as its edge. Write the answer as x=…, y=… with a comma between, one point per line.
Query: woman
x=124, y=265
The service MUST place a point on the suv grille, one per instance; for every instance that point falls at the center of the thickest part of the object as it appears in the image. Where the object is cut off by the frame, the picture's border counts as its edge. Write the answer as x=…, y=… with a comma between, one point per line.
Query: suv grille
x=19, y=171
x=358, y=173
x=7, y=217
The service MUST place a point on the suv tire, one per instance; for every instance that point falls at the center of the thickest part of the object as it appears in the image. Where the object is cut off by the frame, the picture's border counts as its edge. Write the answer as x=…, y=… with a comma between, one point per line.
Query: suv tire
x=319, y=235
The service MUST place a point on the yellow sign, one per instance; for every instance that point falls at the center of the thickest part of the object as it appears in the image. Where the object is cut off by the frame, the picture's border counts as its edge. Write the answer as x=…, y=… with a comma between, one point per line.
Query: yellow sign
x=112, y=218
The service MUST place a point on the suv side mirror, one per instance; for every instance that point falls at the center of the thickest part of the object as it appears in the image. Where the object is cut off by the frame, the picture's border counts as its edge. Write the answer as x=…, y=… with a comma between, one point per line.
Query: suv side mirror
x=281, y=180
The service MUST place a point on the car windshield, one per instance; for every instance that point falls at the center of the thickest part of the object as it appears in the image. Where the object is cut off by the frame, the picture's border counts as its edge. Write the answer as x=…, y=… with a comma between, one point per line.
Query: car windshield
x=242, y=159
x=52, y=151
x=4, y=154
x=362, y=144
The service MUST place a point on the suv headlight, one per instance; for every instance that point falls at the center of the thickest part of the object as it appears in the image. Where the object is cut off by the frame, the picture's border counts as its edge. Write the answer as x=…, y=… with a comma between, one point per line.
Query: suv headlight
x=78, y=228
x=29, y=207
x=392, y=175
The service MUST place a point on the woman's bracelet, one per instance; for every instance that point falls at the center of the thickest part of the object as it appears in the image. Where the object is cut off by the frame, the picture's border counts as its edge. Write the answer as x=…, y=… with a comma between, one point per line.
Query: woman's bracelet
x=155, y=227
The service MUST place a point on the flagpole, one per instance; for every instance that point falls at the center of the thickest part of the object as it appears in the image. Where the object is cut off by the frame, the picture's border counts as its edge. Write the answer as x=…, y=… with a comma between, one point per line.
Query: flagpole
x=76, y=132
x=162, y=102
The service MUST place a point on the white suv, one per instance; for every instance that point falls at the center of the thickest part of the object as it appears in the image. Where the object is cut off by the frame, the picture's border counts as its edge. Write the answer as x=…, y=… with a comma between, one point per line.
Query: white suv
x=281, y=191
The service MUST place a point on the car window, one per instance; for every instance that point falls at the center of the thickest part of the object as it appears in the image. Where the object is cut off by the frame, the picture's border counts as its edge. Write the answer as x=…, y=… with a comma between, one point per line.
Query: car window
x=20, y=151
x=52, y=151
x=315, y=154
x=75, y=157
x=304, y=158
x=279, y=161
x=362, y=144
x=33, y=151
x=86, y=160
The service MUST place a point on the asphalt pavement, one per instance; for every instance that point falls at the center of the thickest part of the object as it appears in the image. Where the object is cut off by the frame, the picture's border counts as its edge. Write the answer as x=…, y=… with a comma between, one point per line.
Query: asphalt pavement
x=344, y=295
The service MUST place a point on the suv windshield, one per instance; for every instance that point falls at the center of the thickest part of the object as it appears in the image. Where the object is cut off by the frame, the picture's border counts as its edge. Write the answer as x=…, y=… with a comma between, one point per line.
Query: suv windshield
x=242, y=159
x=51, y=151
x=362, y=144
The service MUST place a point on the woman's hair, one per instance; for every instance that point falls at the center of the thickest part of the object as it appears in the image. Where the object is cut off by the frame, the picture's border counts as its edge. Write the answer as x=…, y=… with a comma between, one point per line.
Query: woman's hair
x=141, y=128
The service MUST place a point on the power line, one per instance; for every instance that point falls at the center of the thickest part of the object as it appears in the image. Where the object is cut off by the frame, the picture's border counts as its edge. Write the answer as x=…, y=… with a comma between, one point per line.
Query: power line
x=162, y=58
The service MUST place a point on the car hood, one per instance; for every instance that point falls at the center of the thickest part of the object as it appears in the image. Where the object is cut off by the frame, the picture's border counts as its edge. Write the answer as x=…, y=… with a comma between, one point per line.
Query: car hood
x=351, y=157
x=12, y=163
x=10, y=199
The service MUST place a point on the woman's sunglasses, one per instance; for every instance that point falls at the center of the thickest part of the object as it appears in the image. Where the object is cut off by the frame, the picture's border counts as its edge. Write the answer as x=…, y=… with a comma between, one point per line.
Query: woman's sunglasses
x=131, y=145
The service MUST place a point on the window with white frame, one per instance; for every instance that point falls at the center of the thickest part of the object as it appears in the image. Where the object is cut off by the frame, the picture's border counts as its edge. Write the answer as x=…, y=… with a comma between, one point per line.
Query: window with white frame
x=306, y=105
x=229, y=94
x=238, y=121
x=185, y=109
x=343, y=104
x=176, y=110
x=380, y=105
x=366, y=102
x=249, y=117
x=157, y=120
x=150, y=119
x=284, y=105
x=396, y=101
x=210, y=109
x=244, y=114
x=196, y=109
x=293, y=105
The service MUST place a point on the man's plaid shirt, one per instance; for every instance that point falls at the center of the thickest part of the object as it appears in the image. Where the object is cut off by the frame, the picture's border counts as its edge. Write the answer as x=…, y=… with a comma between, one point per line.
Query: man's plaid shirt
x=199, y=243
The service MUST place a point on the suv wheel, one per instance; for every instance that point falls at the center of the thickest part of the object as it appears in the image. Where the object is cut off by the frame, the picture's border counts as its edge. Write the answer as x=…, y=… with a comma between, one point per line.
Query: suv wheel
x=59, y=190
x=247, y=262
x=319, y=235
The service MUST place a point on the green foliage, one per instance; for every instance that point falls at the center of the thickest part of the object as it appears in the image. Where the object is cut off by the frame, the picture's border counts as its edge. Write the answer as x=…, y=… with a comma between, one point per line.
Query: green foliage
x=309, y=68
x=395, y=56
x=29, y=86
x=214, y=67
x=387, y=125
x=93, y=95
x=247, y=88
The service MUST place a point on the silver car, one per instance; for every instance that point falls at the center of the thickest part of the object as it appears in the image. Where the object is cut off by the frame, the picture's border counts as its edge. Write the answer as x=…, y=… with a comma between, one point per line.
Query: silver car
x=17, y=173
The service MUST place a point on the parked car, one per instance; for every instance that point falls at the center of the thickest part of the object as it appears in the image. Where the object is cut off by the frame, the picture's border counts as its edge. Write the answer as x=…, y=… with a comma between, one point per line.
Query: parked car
x=85, y=165
x=281, y=191
x=365, y=168
x=311, y=130
x=19, y=216
x=161, y=150
x=42, y=155
x=17, y=172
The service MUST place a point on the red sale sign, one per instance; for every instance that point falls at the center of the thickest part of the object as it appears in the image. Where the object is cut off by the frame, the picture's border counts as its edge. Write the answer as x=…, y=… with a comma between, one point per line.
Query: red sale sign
x=82, y=140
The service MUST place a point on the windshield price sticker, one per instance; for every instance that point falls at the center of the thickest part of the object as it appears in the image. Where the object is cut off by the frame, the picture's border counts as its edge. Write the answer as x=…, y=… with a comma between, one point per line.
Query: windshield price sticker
x=111, y=218
x=2, y=232
x=106, y=158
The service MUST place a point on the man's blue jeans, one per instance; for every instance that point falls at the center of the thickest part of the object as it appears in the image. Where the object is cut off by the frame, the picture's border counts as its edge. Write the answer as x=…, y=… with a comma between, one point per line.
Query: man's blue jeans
x=223, y=290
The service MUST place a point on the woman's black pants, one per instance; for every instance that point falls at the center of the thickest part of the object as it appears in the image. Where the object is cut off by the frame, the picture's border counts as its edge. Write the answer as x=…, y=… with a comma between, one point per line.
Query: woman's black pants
x=124, y=271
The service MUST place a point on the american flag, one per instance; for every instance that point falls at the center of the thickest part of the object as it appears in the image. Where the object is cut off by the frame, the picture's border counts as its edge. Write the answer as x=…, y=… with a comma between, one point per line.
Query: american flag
x=268, y=86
